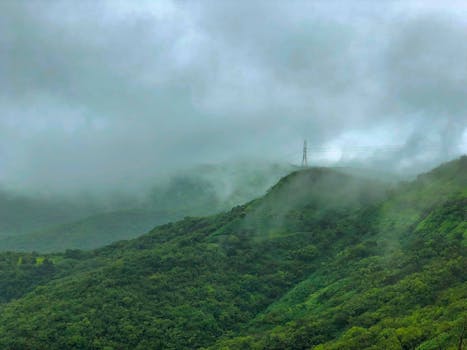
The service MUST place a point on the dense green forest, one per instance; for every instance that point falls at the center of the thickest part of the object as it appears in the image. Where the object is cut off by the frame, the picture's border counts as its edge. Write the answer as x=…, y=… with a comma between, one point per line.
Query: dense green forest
x=324, y=260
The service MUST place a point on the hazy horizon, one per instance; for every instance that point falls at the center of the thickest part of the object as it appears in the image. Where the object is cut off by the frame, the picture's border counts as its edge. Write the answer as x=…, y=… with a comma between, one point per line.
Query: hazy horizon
x=114, y=94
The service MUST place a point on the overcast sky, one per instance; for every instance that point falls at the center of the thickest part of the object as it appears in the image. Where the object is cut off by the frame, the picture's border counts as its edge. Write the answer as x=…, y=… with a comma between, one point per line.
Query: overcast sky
x=99, y=93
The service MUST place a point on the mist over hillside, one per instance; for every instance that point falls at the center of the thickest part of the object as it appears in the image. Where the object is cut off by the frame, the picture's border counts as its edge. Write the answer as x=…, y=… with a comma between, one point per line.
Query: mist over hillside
x=103, y=96
x=324, y=260
x=85, y=221
x=234, y=175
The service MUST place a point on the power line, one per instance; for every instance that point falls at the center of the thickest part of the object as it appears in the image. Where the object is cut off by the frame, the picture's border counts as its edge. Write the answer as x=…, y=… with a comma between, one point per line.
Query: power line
x=354, y=150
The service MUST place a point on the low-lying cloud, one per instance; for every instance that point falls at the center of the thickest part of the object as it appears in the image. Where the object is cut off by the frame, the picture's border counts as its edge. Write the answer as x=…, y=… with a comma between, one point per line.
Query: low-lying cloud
x=104, y=94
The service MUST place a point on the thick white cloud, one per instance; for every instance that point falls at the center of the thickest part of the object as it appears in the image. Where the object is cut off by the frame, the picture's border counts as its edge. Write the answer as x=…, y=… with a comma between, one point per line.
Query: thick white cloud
x=115, y=92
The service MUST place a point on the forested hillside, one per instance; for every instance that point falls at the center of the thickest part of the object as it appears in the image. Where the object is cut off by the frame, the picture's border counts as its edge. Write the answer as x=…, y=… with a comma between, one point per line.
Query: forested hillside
x=20, y=214
x=91, y=232
x=50, y=224
x=324, y=260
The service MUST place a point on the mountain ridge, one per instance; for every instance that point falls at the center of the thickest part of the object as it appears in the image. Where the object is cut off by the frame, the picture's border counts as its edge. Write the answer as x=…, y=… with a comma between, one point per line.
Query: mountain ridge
x=242, y=279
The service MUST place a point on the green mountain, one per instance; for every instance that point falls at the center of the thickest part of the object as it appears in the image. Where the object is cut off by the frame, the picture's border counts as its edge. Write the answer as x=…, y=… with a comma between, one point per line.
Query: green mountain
x=20, y=214
x=91, y=232
x=324, y=260
x=49, y=224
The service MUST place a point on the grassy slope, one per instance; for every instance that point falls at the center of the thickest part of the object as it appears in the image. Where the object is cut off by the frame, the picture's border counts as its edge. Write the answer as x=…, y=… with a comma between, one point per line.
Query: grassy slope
x=284, y=271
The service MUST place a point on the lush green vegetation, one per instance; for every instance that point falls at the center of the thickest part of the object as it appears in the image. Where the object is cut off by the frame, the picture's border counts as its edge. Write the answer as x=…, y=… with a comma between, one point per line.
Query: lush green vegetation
x=20, y=273
x=323, y=261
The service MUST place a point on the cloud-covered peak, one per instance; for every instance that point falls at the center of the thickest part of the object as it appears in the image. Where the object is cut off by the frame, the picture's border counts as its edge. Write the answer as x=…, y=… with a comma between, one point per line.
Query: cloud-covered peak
x=102, y=94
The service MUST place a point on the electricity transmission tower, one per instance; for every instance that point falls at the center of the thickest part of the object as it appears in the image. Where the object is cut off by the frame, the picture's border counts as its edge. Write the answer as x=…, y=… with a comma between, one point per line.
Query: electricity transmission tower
x=305, y=155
